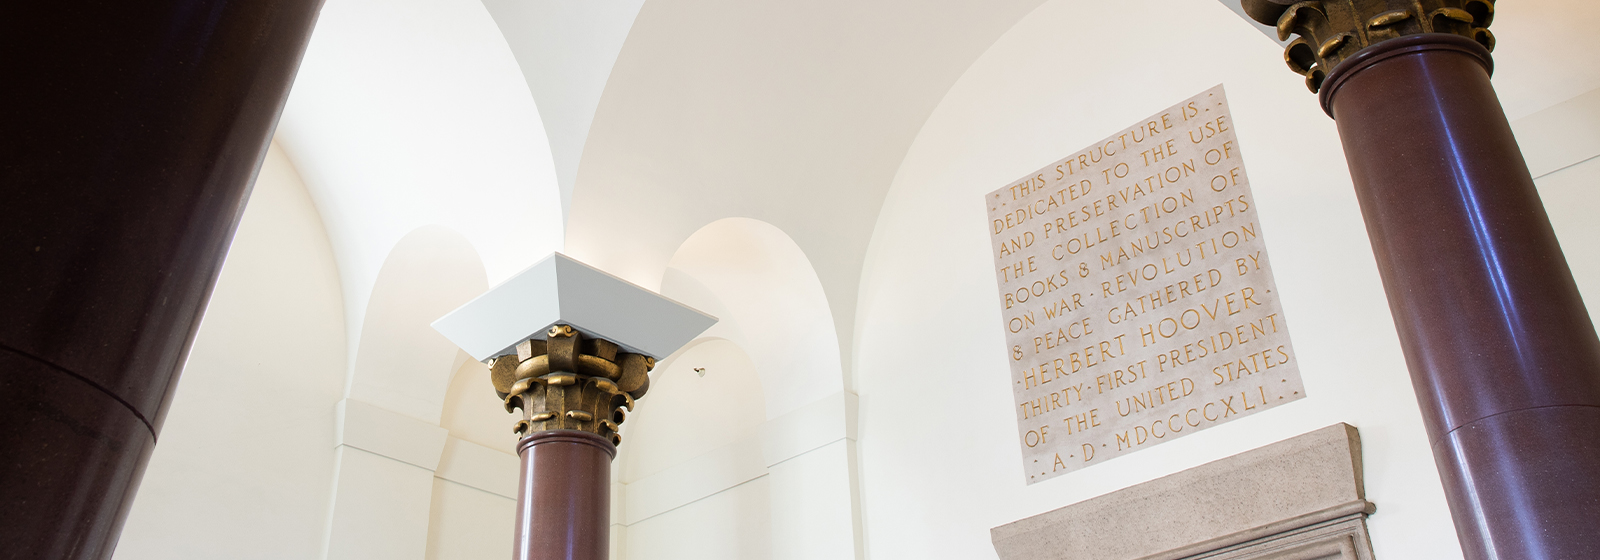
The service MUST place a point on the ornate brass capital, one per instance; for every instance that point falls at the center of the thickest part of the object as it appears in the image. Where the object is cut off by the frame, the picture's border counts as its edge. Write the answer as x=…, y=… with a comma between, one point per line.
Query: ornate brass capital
x=1330, y=31
x=567, y=381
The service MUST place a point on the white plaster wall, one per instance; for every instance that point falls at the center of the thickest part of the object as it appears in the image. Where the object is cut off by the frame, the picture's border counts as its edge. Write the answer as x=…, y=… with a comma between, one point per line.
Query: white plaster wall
x=728, y=525
x=409, y=113
x=390, y=441
x=758, y=281
x=466, y=523
x=380, y=508
x=940, y=465
x=686, y=415
x=700, y=455
x=764, y=286
x=692, y=479
x=1570, y=197
x=812, y=511
x=793, y=113
x=474, y=412
x=402, y=364
x=1562, y=146
x=566, y=49
x=245, y=461
x=473, y=510
x=246, y=464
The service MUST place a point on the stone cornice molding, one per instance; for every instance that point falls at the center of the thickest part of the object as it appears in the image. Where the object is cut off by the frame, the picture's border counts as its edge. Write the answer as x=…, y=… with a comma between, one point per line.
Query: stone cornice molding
x=1256, y=499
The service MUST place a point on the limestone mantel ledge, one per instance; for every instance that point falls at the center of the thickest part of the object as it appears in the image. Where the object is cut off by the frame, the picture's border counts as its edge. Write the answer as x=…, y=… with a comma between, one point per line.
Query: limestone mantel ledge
x=1298, y=498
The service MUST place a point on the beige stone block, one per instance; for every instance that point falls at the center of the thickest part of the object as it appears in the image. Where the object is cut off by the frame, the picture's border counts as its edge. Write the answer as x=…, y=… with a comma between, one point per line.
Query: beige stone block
x=1278, y=489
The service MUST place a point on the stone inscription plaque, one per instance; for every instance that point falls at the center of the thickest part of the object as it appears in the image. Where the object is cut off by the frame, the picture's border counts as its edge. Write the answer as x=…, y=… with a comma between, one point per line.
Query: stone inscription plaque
x=1137, y=296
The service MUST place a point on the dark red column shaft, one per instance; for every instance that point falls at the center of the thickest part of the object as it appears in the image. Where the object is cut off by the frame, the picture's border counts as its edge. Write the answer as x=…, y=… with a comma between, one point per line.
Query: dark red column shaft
x=130, y=133
x=564, y=497
x=1502, y=353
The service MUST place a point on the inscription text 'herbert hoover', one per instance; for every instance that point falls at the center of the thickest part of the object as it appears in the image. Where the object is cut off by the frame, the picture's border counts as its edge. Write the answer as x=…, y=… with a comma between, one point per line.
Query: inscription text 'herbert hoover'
x=1138, y=300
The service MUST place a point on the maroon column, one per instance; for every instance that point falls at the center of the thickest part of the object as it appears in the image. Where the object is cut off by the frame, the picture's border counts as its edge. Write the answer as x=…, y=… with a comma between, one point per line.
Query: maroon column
x=129, y=136
x=1502, y=353
x=564, y=496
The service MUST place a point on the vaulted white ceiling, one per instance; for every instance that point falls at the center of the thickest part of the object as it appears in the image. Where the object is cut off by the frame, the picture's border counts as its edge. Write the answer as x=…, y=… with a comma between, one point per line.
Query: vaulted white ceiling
x=793, y=113
x=615, y=129
x=566, y=49
x=410, y=113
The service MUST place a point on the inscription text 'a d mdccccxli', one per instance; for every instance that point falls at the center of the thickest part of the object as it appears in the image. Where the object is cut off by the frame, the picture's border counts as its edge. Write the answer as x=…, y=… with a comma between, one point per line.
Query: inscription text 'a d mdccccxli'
x=1138, y=301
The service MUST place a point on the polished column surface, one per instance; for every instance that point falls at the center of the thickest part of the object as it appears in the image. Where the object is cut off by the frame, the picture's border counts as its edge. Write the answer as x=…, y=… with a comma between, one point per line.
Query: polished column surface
x=565, y=487
x=1502, y=353
x=131, y=134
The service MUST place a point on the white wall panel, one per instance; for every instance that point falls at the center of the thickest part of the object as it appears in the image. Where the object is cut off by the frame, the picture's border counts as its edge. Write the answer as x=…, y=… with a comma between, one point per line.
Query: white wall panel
x=731, y=525
x=466, y=523
x=380, y=508
x=813, y=512
x=245, y=460
x=1571, y=197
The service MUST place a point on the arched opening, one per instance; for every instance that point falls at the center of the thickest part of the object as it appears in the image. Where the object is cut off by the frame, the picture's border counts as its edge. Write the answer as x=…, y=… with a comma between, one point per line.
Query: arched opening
x=772, y=302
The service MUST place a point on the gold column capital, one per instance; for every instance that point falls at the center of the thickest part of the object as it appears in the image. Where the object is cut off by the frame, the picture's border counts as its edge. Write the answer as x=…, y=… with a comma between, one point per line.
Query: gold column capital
x=564, y=380
x=1329, y=31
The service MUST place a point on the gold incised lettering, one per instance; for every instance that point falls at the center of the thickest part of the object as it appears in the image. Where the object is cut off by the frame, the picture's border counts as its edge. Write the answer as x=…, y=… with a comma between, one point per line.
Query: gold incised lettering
x=1137, y=294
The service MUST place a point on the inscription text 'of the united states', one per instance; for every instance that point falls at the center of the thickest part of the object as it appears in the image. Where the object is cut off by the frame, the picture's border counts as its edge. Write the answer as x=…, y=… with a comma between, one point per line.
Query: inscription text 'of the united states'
x=1137, y=297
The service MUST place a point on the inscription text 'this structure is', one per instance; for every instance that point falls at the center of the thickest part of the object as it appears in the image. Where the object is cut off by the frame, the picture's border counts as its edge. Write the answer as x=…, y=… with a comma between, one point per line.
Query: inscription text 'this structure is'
x=1138, y=301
